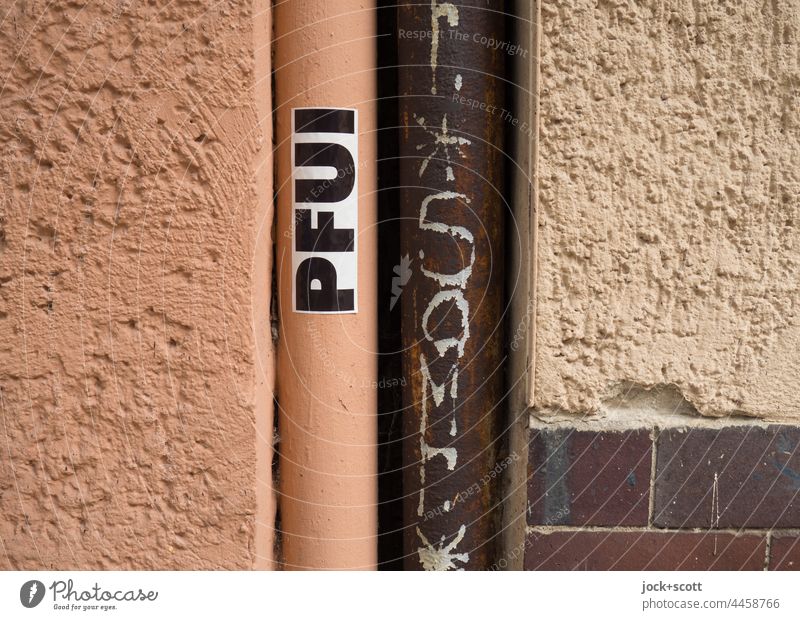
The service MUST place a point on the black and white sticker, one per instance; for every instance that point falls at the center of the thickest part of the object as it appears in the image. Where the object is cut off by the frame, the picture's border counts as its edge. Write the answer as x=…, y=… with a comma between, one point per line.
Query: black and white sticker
x=325, y=210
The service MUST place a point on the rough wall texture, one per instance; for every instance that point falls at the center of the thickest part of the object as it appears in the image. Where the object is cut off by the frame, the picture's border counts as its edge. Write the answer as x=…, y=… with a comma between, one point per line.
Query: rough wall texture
x=128, y=133
x=669, y=164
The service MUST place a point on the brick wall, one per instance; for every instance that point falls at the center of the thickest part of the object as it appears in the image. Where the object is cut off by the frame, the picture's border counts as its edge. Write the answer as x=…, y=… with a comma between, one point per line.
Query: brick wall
x=711, y=498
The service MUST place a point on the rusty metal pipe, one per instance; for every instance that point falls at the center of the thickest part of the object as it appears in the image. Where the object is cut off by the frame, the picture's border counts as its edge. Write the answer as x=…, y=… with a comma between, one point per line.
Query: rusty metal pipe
x=452, y=117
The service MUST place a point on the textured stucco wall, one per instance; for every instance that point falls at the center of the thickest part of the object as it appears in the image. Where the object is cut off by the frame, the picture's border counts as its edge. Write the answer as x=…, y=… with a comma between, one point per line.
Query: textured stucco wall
x=668, y=244
x=130, y=384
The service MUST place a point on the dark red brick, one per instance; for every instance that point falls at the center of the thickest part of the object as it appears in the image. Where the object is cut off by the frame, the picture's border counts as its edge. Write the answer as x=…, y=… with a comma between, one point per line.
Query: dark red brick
x=757, y=471
x=589, y=478
x=614, y=550
x=785, y=553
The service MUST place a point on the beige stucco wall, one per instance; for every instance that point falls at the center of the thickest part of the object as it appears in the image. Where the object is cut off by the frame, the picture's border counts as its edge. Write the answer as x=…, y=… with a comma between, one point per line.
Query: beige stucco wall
x=131, y=164
x=669, y=176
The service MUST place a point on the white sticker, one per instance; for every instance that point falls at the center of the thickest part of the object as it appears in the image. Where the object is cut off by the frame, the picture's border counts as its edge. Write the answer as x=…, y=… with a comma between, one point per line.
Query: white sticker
x=325, y=210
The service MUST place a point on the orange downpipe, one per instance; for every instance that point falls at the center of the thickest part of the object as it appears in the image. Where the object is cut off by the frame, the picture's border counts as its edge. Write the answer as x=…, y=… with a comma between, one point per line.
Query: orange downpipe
x=327, y=260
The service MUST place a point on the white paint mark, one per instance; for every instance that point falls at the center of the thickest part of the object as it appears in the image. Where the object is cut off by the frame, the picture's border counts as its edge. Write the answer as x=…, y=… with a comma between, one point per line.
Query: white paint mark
x=715, y=501
x=443, y=145
x=444, y=344
x=437, y=391
x=450, y=454
x=426, y=451
x=421, y=505
x=438, y=11
x=715, y=508
x=455, y=279
x=441, y=557
x=443, y=142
